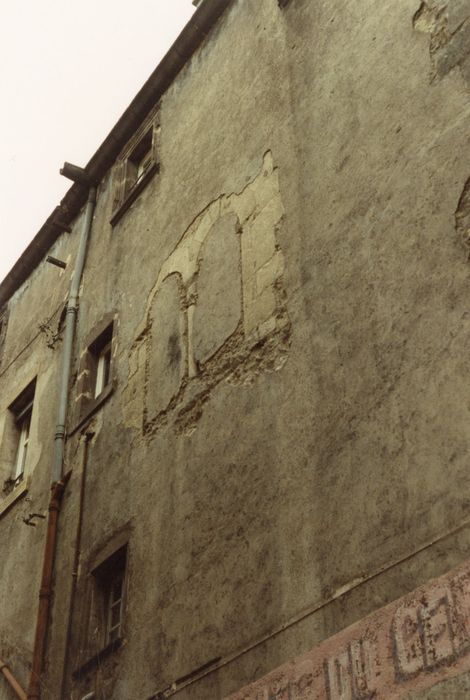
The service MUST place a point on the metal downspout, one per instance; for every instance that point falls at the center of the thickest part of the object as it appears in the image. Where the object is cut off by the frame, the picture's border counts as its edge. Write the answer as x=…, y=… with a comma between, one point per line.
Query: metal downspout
x=58, y=482
x=70, y=323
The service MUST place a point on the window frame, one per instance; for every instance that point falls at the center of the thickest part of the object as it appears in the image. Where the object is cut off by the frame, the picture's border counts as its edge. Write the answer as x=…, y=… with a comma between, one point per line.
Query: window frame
x=96, y=638
x=100, y=361
x=104, y=577
x=141, y=150
x=21, y=412
x=95, y=382
x=102, y=373
x=139, y=161
x=23, y=426
x=15, y=447
x=112, y=604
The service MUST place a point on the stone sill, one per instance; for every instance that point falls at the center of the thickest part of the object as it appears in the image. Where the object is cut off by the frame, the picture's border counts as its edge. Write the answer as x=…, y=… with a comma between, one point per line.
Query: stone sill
x=18, y=492
x=134, y=193
x=98, y=658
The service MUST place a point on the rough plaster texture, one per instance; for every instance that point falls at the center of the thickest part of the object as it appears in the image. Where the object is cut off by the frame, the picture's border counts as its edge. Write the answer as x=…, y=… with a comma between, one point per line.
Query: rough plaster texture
x=447, y=21
x=217, y=312
x=290, y=466
x=167, y=356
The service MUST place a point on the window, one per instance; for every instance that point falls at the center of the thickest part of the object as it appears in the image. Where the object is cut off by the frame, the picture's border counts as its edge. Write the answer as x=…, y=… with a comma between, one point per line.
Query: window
x=114, y=605
x=109, y=590
x=95, y=376
x=100, y=360
x=22, y=409
x=23, y=426
x=103, y=369
x=15, y=453
x=139, y=161
x=135, y=167
x=99, y=625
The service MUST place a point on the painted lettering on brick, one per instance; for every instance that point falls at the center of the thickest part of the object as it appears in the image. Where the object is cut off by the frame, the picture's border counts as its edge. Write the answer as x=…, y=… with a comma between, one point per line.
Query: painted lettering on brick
x=413, y=643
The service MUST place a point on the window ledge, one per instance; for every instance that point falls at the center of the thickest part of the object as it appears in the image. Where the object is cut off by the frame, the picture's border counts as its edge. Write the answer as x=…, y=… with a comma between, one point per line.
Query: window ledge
x=97, y=659
x=92, y=407
x=19, y=491
x=134, y=193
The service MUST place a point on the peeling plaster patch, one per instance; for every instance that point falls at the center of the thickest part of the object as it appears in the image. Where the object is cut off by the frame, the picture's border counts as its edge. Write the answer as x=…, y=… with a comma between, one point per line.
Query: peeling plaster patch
x=132, y=391
x=165, y=357
x=448, y=23
x=219, y=296
x=231, y=312
x=462, y=216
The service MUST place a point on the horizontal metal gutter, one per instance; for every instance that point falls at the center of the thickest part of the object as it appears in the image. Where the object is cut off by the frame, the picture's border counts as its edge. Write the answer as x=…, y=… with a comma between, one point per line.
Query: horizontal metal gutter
x=176, y=58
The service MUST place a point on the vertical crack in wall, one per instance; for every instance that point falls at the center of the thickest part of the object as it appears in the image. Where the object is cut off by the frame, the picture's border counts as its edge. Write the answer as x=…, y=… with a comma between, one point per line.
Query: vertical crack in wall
x=448, y=24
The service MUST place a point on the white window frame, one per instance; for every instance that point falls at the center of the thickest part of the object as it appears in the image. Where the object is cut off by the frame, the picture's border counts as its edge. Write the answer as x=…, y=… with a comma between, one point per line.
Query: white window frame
x=139, y=161
x=23, y=427
x=113, y=631
x=135, y=166
x=109, y=598
x=144, y=164
x=103, y=369
x=22, y=451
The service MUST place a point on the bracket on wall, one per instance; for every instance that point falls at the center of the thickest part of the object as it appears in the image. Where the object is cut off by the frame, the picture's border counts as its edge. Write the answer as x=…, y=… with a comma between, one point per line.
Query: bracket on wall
x=56, y=262
x=31, y=516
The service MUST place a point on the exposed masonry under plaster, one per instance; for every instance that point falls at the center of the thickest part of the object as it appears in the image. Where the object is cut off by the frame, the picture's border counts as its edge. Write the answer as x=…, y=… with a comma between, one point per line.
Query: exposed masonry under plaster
x=448, y=23
x=462, y=215
x=259, y=339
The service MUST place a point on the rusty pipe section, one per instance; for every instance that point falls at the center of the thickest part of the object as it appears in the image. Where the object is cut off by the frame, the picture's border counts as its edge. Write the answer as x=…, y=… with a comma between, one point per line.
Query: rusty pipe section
x=11, y=680
x=45, y=592
x=76, y=561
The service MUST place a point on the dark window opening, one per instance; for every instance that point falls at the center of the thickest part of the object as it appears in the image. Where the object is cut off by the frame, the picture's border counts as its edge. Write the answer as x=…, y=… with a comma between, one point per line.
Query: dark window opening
x=139, y=160
x=109, y=593
x=100, y=361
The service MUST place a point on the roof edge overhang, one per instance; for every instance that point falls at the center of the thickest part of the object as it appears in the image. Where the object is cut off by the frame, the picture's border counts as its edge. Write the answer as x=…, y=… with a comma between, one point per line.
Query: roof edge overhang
x=191, y=37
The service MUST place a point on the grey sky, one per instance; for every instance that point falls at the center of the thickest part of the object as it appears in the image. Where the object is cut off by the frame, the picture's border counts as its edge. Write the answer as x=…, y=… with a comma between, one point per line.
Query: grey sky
x=68, y=71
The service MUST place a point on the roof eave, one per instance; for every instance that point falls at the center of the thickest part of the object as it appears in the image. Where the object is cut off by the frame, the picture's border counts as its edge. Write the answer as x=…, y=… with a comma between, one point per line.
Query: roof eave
x=191, y=37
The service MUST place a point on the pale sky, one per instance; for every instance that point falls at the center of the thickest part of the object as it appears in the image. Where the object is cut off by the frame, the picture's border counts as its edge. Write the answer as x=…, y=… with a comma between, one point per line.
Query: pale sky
x=69, y=68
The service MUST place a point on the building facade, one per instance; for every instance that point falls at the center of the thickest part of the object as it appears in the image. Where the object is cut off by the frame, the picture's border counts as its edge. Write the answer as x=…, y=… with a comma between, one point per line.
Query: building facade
x=263, y=464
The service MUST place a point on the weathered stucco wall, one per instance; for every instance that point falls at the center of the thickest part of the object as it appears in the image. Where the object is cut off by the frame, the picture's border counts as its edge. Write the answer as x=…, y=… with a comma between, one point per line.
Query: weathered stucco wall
x=286, y=444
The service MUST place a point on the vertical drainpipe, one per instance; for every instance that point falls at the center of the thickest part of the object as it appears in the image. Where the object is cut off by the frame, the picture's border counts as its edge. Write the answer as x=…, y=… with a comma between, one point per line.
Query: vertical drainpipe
x=70, y=324
x=58, y=482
